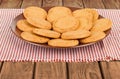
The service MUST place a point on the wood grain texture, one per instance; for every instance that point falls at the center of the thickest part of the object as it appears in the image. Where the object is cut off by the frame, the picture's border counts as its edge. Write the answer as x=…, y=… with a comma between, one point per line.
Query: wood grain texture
x=84, y=71
x=50, y=71
x=1, y=63
x=19, y=70
x=10, y=3
x=27, y=3
x=111, y=70
x=73, y=3
x=52, y=3
x=112, y=4
x=93, y=3
x=0, y=1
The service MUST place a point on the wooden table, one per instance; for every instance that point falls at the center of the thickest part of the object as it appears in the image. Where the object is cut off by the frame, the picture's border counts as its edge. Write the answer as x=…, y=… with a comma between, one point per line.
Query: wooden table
x=44, y=70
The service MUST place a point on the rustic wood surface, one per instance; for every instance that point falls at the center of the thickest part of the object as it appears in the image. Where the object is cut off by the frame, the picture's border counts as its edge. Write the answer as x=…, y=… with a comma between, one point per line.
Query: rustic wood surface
x=110, y=70
x=27, y=3
x=93, y=3
x=1, y=63
x=112, y=4
x=50, y=71
x=44, y=70
x=84, y=71
x=21, y=70
x=73, y=3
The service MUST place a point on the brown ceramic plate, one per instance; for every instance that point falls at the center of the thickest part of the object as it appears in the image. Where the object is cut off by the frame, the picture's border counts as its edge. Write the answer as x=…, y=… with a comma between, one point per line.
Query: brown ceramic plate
x=17, y=32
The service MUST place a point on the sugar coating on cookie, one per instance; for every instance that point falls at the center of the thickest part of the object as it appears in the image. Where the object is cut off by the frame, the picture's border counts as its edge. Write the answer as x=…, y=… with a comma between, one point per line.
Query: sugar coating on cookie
x=35, y=12
x=83, y=14
x=102, y=25
x=33, y=38
x=58, y=12
x=84, y=24
x=23, y=25
x=76, y=34
x=68, y=23
x=62, y=43
x=47, y=33
x=39, y=23
x=95, y=36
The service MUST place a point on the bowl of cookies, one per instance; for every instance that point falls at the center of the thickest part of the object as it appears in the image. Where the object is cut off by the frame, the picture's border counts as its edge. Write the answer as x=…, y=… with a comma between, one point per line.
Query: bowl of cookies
x=61, y=27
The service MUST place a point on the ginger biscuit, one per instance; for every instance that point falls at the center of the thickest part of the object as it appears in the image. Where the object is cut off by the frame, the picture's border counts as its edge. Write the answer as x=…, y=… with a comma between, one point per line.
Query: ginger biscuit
x=39, y=23
x=83, y=14
x=102, y=25
x=23, y=25
x=33, y=38
x=95, y=36
x=47, y=33
x=94, y=13
x=58, y=12
x=68, y=23
x=84, y=24
x=62, y=43
x=35, y=12
x=75, y=34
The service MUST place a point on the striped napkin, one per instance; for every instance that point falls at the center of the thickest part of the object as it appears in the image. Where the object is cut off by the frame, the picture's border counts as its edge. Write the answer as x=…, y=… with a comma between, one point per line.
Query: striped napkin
x=13, y=48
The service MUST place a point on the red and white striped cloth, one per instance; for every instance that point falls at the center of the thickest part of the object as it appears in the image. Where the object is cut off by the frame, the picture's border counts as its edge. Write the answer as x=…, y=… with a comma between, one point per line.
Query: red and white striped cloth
x=14, y=49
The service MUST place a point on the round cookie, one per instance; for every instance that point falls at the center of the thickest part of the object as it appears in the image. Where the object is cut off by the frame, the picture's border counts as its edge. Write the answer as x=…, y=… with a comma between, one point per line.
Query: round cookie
x=62, y=43
x=83, y=14
x=40, y=23
x=68, y=23
x=47, y=33
x=85, y=24
x=35, y=12
x=95, y=36
x=102, y=25
x=33, y=38
x=23, y=25
x=94, y=13
x=75, y=34
x=58, y=12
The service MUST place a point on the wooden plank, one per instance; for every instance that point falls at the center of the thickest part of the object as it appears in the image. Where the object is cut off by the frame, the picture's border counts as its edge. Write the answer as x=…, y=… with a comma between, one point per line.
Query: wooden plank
x=73, y=3
x=50, y=71
x=10, y=3
x=1, y=63
x=0, y=1
x=111, y=70
x=27, y=3
x=52, y=3
x=19, y=70
x=93, y=3
x=84, y=71
x=112, y=4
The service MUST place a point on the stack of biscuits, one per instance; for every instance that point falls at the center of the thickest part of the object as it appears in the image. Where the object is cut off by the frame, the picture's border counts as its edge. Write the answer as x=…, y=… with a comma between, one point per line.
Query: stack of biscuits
x=61, y=27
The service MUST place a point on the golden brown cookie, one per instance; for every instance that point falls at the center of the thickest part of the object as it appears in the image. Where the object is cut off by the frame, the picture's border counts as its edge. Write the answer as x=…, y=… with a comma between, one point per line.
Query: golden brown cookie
x=102, y=25
x=62, y=43
x=35, y=12
x=40, y=23
x=68, y=23
x=23, y=25
x=58, y=12
x=47, y=33
x=76, y=34
x=33, y=38
x=95, y=36
x=94, y=13
x=83, y=14
x=85, y=24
